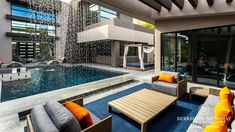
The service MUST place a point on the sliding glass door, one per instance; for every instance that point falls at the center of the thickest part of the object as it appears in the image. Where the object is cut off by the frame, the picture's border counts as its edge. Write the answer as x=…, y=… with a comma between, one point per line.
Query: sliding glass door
x=207, y=56
x=204, y=56
x=184, y=56
x=227, y=37
x=168, y=58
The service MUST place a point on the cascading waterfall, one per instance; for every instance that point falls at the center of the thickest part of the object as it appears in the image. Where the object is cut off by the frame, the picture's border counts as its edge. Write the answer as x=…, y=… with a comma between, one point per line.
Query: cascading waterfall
x=70, y=19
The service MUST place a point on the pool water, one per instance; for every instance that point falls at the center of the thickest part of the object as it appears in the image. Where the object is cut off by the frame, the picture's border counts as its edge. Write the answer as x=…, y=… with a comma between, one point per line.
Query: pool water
x=52, y=78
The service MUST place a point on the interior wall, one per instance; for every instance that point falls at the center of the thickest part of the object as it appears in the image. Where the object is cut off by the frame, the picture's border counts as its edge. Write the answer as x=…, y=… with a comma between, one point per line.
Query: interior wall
x=185, y=24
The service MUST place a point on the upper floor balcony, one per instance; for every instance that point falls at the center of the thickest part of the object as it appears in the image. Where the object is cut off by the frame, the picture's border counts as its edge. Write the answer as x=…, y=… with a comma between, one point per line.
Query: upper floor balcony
x=116, y=29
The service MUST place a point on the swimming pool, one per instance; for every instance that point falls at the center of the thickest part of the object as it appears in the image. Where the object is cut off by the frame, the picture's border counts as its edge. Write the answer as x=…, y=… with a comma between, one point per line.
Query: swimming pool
x=51, y=78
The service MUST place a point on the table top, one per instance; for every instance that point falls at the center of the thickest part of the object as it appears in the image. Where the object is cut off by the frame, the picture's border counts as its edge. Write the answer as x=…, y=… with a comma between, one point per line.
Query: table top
x=143, y=105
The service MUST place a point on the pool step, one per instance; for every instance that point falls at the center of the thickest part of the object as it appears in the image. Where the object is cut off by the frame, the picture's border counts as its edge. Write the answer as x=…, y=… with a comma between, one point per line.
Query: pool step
x=105, y=89
x=113, y=90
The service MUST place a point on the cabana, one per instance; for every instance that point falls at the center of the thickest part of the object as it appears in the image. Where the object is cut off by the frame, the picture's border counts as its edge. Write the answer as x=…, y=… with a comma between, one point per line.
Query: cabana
x=142, y=49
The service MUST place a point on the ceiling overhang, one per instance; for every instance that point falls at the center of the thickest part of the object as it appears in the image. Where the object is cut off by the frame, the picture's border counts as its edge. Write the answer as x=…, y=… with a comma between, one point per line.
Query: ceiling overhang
x=152, y=10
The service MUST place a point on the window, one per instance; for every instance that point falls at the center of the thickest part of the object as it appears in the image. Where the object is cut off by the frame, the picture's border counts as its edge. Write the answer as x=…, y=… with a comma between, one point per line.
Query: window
x=94, y=7
x=31, y=28
x=106, y=14
x=27, y=52
x=108, y=10
x=32, y=14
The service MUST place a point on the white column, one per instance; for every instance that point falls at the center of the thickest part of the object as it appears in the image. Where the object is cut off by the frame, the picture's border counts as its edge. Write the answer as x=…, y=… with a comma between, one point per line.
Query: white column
x=141, y=57
x=125, y=55
x=157, y=51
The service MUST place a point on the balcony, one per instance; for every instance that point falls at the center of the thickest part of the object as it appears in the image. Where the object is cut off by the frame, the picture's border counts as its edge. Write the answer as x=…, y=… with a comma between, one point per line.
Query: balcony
x=115, y=29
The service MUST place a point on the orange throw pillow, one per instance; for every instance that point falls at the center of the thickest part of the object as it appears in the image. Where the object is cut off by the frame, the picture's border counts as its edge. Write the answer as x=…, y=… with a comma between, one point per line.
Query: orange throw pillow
x=226, y=94
x=216, y=126
x=166, y=78
x=223, y=111
x=80, y=113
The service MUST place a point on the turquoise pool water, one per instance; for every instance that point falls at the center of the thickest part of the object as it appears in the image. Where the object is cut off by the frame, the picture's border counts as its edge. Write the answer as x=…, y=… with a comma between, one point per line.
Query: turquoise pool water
x=52, y=78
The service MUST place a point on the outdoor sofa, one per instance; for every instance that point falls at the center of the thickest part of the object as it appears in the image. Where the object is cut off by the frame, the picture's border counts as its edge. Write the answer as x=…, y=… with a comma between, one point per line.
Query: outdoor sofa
x=206, y=113
x=178, y=88
x=41, y=120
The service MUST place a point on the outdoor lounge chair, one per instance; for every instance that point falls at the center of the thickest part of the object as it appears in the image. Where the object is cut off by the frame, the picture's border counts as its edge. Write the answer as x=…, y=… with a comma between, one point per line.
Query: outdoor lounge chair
x=178, y=88
x=98, y=124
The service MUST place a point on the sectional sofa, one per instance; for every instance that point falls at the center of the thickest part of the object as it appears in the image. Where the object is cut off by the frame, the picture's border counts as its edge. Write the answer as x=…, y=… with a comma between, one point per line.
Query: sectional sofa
x=206, y=113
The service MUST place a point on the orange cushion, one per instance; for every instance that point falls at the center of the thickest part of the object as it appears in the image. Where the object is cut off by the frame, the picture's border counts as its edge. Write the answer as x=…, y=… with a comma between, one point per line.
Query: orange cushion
x=223, y=111
x=226, y=94
x=166, y=78
x=216, y=126
x=80, y=113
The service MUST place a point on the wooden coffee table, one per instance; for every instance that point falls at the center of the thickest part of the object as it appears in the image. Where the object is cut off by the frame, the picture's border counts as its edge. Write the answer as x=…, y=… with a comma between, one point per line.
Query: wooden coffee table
x=143, y=105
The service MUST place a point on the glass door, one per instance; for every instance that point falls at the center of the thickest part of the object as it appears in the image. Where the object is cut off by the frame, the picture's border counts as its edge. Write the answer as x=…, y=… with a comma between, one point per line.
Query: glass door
x=228, y=38
x=184, y=54
x=207, y=56
x=169, y=52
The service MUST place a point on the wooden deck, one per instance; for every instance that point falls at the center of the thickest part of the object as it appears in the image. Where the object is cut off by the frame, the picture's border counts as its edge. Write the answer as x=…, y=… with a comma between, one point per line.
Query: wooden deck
x=142, y=105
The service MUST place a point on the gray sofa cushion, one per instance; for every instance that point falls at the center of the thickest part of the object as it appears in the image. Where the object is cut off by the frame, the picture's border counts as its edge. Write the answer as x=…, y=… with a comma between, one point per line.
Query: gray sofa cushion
x=170, y=88
x=195, y=128
x=62, y=118
x=41, y=121
x=206, y=113
x=205, y=116
x=211, y=101
x=94, y=118
x=176, y=74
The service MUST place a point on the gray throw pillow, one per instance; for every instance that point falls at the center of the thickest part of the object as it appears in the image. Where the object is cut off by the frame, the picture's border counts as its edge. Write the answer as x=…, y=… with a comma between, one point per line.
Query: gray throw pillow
x=41, y=121
x=62, y=118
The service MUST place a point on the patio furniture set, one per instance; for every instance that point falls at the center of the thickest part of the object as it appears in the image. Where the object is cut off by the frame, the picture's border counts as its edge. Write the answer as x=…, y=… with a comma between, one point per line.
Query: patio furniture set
x=141, y=106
